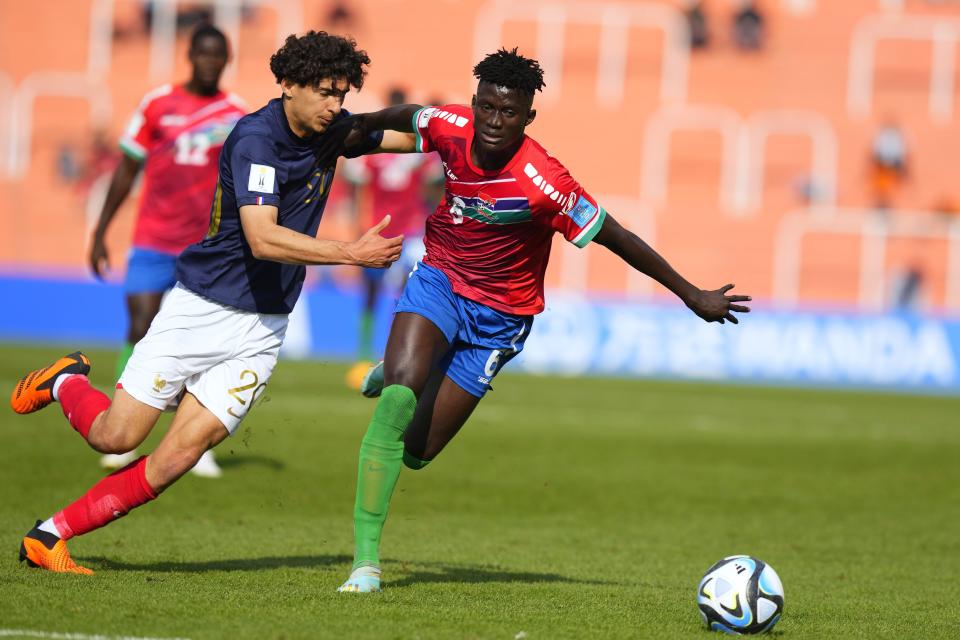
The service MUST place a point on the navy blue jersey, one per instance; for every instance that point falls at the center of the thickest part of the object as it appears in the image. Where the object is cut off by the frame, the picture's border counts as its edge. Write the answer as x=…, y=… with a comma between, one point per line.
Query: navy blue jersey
x=263, y=162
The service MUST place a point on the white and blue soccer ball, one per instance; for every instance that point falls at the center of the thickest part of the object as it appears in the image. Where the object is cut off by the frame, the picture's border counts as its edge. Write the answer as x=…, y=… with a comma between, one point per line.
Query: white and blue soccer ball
x=740, y=595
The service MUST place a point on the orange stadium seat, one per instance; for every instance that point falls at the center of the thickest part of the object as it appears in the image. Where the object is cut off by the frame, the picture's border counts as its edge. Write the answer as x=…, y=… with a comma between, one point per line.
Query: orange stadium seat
x=601, y=97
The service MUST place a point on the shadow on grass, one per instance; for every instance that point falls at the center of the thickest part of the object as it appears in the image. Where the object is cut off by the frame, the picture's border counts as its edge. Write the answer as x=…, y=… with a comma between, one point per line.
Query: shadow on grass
x=239, y=564
x=412, y=573
x=229, y=461
x=431, y=572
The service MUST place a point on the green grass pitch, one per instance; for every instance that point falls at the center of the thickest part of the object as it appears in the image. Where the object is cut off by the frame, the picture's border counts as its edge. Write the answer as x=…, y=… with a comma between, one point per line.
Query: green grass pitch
x=567, y=508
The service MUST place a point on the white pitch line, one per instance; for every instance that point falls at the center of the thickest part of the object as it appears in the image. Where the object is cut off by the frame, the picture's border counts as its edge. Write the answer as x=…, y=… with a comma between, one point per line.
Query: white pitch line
x=53, y=635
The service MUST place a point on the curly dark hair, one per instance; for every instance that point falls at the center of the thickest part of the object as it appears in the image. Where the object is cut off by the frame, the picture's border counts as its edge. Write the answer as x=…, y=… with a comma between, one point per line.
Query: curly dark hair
x=511, y=70
x=316, y=55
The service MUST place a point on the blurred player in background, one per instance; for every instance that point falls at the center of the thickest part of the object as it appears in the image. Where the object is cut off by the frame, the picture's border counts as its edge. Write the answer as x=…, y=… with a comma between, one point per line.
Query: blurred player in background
x=212, y=347
x=888, y=164
x=175, y=135
x=468, y=308
x=398, y=185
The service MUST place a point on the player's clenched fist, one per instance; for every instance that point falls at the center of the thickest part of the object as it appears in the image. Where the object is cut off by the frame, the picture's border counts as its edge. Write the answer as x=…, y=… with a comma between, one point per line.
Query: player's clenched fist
x=374, y=250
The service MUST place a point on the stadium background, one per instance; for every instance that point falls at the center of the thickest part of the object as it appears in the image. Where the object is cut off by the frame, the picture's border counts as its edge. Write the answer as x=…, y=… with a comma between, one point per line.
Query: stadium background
x=586, y=506
x=752, y=166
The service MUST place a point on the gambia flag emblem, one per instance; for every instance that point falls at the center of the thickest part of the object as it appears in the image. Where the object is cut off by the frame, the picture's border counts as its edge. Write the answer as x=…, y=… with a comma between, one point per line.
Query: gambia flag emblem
x=486, y=205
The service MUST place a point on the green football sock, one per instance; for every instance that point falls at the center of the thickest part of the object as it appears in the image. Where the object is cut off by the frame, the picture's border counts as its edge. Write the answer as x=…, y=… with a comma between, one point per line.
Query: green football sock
x=125, y=354
x=381, y=457
x=365, y=347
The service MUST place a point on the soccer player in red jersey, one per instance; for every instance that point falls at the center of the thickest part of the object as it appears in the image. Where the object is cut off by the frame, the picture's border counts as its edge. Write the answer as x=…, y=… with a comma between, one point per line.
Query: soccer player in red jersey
x=175, y=136
x=468, y=307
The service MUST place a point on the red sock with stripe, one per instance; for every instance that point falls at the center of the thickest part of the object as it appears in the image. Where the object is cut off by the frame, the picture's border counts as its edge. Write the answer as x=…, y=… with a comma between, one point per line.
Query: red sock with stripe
x=81, y=403
x=111, y=498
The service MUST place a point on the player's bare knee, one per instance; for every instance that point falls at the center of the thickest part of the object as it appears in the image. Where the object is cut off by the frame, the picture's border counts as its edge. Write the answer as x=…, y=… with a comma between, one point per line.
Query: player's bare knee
x=395, y=374
x=403, y=376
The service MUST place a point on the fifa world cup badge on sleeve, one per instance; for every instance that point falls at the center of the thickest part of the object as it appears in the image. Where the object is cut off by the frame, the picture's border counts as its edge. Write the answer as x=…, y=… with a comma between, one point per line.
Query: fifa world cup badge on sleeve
x=582, y=212
x=261, y=178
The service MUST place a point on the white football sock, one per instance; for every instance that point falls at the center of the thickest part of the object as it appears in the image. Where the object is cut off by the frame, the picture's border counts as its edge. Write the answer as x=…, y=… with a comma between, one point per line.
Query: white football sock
x=49, y=527
x=56, y=385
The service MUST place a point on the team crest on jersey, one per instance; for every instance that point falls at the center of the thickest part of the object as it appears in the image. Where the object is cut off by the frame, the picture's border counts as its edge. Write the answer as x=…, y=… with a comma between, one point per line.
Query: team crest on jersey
x=486, y=204
x=490, y=210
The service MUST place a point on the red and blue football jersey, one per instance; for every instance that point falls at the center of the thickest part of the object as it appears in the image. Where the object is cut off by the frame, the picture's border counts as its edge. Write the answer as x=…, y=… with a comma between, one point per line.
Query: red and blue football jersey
x=178, y=135
x=492, y=233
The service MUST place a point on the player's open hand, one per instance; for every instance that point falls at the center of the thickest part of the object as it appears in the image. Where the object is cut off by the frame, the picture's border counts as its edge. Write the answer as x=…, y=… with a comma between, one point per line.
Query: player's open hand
x=374, y=250
x=99, y=260
x=717, y=306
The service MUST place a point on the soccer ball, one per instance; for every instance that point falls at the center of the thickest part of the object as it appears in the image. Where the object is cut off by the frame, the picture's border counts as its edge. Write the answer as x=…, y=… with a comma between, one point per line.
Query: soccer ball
x=740, y=594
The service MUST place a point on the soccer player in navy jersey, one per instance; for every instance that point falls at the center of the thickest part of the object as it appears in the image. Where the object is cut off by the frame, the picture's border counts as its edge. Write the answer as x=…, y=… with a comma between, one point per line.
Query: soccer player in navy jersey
x=213, y=345
x=175, y=135
x=468, y=307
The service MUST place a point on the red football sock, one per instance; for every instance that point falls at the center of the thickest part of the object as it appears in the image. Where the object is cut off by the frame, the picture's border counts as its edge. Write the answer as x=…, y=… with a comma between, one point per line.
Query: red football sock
x=111, y=498
x=81, y=403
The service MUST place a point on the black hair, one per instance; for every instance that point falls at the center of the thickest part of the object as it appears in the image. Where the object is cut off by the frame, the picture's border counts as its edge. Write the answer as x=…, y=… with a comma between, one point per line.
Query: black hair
x=207, y=30
x=511, y=70
x=316, y=55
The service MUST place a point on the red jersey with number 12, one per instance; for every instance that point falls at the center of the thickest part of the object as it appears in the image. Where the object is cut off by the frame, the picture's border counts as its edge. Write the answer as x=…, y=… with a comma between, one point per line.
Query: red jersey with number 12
x=492, y=233
x=178, y=135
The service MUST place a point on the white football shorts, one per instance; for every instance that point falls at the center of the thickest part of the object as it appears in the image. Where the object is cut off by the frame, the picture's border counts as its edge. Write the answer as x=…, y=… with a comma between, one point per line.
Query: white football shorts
x=222, y=355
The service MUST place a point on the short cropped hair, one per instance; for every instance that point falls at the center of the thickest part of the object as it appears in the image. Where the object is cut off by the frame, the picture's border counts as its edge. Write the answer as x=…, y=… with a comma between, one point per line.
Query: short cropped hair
x=511, y=70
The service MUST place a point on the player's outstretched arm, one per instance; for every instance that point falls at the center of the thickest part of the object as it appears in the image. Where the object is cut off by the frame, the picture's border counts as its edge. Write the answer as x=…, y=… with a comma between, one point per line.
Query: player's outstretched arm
x=396, y=118
x=712, y=306
x=120, y=185
x=396, y=123
x=270, y=241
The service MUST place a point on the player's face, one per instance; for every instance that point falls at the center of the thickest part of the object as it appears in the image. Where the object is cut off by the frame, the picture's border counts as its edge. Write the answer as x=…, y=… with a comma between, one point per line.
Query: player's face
x=311, y=109
x=208, y=57
x=500, y=116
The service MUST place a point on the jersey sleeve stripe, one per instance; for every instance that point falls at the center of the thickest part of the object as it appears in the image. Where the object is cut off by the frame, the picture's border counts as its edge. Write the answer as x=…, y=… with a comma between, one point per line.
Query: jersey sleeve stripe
x=133, y=149
x=591, y=230
x=416, y=130
x=216, y=211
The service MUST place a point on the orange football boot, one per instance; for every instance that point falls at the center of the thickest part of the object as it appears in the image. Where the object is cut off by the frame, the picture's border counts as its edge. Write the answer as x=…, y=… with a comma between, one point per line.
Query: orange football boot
x=44, y=550
x=35, y=390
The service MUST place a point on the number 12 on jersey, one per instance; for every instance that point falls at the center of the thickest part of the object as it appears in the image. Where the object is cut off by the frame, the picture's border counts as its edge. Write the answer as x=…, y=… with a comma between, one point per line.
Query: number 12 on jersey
x=192, y=149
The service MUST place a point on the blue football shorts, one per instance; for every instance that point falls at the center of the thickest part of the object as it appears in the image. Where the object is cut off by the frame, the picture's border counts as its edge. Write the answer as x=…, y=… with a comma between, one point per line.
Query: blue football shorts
x=149, y=271
x=482, y=340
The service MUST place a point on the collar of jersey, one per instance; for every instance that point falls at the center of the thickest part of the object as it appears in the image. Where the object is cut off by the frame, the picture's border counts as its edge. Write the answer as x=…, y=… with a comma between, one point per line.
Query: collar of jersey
x=182, y=90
